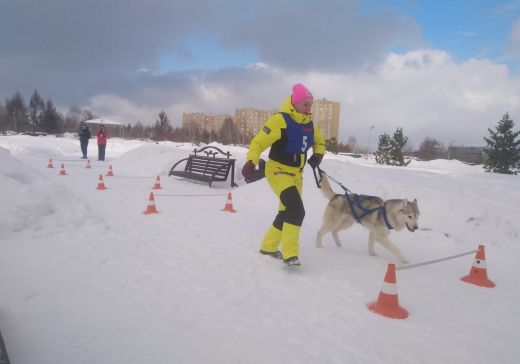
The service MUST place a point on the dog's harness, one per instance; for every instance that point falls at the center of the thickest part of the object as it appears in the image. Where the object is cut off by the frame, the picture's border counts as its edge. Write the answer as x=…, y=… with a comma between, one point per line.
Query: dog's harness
x=356, y=201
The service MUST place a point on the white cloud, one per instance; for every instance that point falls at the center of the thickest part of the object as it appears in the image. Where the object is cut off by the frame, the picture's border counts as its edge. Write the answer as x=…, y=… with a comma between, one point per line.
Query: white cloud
x=425, y=92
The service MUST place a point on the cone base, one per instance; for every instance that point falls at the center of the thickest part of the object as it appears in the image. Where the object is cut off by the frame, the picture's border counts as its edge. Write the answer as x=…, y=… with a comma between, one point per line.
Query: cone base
x=482, y=282
x=150, y=211
x=156, y=188
x=229, y=209
x=50, y=166
x=62, y=174
x=101, y=188
x=391, y=312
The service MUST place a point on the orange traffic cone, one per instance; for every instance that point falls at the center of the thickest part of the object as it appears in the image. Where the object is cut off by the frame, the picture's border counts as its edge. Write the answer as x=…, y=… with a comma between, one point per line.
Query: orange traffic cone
x=101, y=184
x=150, y=209
x=88, y=166
x=388, y=303
x=50, y=164
x=110, y=174
x=478, y=273
x=157, y=185
x=229, y=204
x=62, y=170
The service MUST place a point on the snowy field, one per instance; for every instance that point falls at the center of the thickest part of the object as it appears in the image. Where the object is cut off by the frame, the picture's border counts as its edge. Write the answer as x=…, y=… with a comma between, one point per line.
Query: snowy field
x=86, y=277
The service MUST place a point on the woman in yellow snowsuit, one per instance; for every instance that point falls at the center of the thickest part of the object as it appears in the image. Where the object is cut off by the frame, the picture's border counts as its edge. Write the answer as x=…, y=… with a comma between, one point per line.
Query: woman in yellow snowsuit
x=290, y=133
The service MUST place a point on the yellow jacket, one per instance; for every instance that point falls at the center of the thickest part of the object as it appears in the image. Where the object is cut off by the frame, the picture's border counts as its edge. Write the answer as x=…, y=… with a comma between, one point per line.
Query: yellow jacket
x=274, y=132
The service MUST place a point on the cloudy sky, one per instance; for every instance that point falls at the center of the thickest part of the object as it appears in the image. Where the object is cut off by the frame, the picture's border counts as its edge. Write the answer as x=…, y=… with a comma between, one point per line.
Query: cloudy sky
x=442, y=69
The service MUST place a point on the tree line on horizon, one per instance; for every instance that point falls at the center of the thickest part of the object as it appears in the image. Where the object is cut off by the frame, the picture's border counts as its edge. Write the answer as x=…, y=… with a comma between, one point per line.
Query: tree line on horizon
x=501, y=155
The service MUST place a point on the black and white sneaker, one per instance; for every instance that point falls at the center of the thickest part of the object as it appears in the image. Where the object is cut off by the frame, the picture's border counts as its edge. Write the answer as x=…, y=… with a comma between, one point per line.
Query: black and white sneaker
x=292, y=261
x=276, y=255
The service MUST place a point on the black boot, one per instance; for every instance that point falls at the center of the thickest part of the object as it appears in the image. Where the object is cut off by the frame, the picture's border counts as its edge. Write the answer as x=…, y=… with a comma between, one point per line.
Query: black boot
x=292, y=261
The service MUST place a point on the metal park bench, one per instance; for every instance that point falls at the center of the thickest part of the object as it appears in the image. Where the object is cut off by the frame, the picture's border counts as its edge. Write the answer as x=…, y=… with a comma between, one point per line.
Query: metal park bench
x=207, y=168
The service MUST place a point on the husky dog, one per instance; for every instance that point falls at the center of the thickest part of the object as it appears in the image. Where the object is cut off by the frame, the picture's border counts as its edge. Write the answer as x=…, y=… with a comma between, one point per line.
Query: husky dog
x=376, y=215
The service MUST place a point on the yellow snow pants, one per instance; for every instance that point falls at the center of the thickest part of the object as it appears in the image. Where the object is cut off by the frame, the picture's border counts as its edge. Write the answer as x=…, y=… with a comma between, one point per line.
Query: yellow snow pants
x=286, y=183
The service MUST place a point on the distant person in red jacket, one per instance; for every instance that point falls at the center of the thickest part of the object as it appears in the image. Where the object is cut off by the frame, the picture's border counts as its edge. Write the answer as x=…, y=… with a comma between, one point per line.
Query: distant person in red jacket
x=102, y=135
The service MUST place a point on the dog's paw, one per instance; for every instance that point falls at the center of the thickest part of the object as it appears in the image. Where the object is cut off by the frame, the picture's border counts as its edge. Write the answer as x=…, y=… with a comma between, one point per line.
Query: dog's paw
x=372, y=254
x=318, y=245
x=404, y=261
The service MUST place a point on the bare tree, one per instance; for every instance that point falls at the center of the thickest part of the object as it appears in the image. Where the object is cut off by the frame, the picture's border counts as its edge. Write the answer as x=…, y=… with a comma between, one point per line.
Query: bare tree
x=430, y=149
x=72, y=119
x=87, y=115
x=16, y=113
x=3, y=117
x=180, y=135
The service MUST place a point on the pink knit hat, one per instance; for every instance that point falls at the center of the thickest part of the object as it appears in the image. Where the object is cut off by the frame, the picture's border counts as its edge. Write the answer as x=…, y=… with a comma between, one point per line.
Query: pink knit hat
x=299, y=93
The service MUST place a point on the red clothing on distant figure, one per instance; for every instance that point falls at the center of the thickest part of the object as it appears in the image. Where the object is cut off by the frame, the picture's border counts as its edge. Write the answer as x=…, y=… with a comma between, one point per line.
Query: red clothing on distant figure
x=102, y=135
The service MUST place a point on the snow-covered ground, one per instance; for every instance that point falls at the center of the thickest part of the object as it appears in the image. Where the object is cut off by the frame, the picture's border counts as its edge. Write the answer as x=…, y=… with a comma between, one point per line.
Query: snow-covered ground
x=86, y=277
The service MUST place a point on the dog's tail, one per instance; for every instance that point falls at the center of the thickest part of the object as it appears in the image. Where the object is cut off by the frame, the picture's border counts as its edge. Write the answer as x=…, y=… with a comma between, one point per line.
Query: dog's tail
x=325, y=187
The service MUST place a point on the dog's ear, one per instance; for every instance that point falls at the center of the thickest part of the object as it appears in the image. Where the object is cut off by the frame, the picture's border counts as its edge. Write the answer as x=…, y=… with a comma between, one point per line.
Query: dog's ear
x=404, y=203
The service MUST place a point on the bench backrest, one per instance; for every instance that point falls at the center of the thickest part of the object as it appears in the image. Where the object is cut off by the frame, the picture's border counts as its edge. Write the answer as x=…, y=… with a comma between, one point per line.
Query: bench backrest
x=208, y=165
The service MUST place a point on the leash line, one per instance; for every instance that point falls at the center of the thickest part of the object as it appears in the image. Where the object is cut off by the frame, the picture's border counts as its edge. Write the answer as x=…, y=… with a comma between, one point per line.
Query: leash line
x=133, y=177
x=436, y=260
x=358, y=203
x=70, y=160
x=189, y=195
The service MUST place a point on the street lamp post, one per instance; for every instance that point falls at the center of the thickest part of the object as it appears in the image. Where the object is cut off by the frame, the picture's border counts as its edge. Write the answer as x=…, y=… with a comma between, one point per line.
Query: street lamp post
x=369, y=133
x=449, y=149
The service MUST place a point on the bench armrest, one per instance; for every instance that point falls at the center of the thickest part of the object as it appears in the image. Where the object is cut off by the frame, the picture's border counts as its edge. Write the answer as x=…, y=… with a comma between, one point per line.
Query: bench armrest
x=175, y=165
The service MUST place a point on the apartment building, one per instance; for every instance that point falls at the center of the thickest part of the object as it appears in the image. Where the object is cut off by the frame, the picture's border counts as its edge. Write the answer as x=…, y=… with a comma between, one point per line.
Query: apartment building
x=325, y=115
x=207, y=122
x=248, y=121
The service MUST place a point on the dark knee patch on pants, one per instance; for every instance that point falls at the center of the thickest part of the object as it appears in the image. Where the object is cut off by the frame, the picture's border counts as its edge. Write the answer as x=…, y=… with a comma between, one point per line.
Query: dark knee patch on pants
x=294, y=210
x=279, y=219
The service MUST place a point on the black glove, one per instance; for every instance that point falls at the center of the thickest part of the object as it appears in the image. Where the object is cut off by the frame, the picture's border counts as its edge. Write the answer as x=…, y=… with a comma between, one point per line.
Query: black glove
x=315, y=160
x=248, y=170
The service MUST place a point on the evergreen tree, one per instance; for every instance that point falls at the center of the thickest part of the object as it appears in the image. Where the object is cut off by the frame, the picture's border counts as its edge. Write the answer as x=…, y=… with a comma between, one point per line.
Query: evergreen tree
x=332, y=145
x=162, y=128
x=384, y=147
x=398, y=143
x=36, y=106
x=228, y=133
x=390, y=150
x=503, y=148
x=51, y=120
